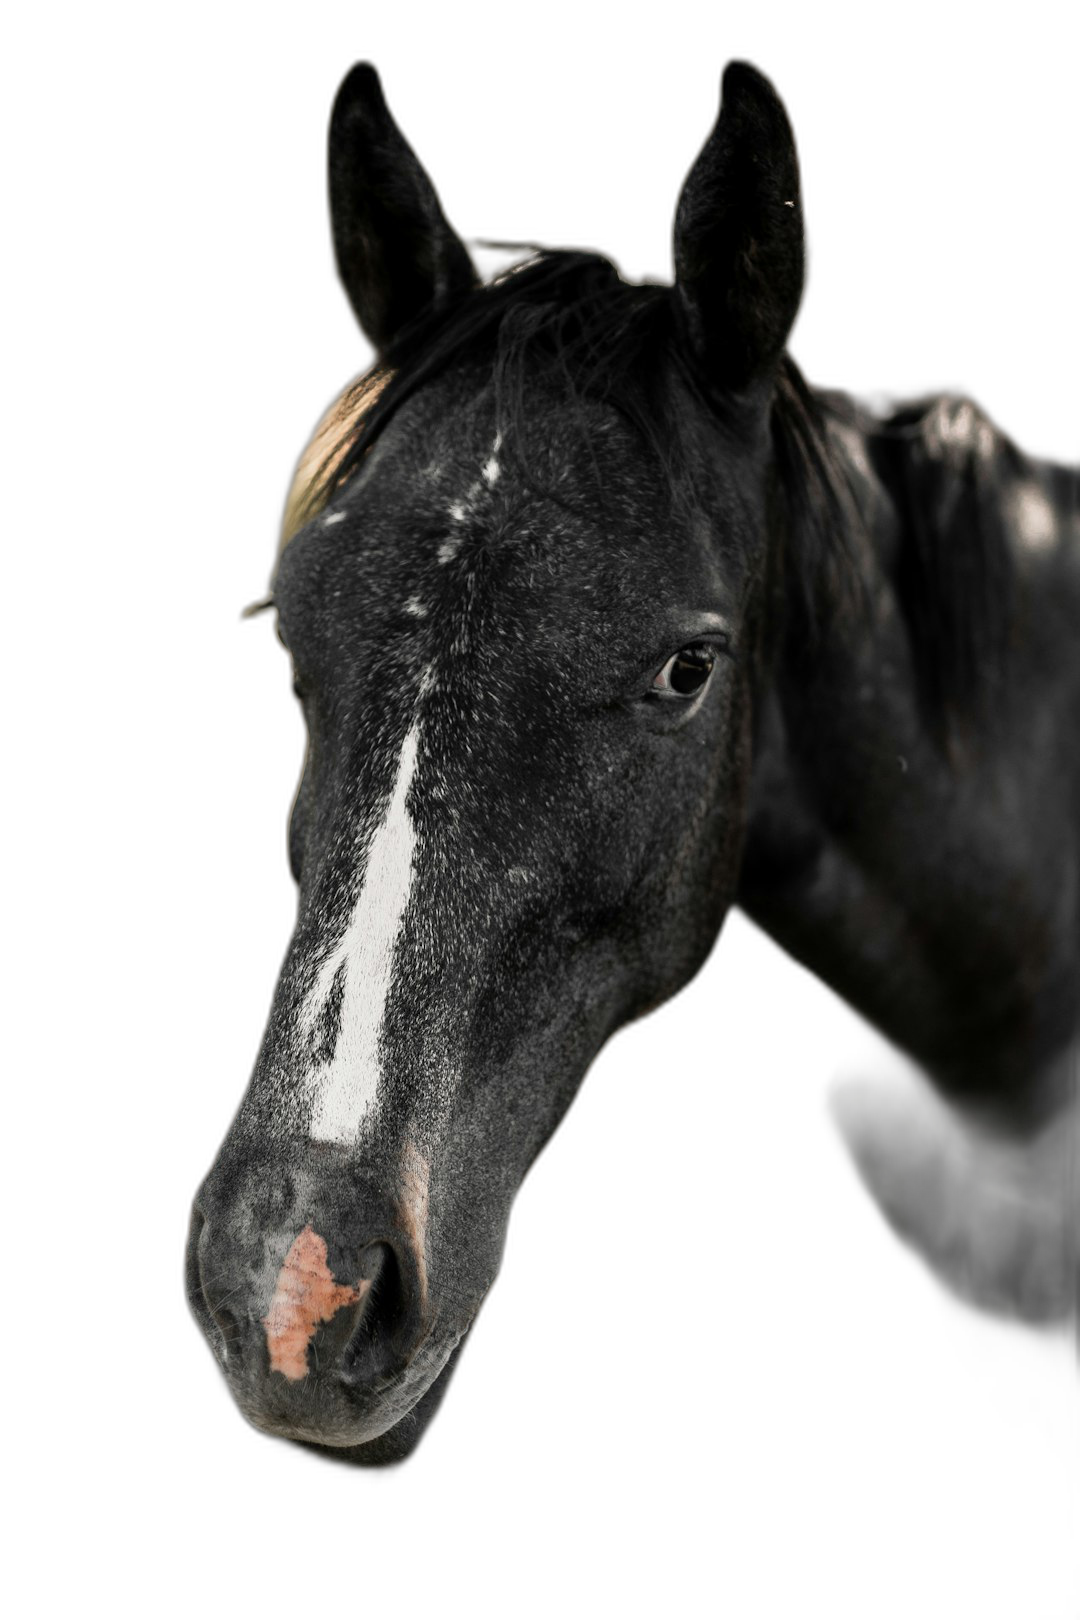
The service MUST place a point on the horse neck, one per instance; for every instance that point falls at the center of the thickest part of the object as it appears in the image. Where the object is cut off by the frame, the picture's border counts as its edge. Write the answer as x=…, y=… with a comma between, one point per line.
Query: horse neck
x=902, y=801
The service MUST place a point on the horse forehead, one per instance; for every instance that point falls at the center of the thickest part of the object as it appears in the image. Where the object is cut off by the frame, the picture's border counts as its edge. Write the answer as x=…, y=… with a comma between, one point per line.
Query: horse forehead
x=445, y=519
x=448, y=435
x=445, y=418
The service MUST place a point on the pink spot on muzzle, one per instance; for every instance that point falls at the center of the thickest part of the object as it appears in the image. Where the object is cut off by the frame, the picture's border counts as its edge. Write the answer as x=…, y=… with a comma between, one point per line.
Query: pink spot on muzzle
x=305, y=1295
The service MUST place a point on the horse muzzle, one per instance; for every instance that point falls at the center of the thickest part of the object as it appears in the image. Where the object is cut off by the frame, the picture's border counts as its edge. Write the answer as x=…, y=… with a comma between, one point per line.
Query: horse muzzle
x=314, y=1297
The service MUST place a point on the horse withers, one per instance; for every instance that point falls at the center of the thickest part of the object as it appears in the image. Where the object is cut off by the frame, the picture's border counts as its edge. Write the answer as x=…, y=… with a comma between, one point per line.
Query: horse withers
x=602, y=621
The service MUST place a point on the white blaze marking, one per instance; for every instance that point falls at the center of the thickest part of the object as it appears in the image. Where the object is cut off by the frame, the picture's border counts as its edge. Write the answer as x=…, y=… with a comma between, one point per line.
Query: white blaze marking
x=491, y=468
x=347, y=1087
x=462, y=509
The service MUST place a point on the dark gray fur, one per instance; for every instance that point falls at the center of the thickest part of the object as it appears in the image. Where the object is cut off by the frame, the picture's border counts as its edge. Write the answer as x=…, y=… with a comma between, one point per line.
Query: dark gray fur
x=882, y=769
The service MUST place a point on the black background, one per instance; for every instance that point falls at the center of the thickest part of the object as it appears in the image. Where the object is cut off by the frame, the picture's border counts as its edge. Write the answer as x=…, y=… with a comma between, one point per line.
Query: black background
x=700, y=1330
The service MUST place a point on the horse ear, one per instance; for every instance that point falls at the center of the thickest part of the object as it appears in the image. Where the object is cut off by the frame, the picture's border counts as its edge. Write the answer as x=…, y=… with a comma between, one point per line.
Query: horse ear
x=739, y=237
x=396, y=255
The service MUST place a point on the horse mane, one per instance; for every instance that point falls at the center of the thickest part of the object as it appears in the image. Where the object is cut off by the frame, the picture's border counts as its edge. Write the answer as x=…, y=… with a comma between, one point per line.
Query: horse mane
x=947, y=469
x=614, y=342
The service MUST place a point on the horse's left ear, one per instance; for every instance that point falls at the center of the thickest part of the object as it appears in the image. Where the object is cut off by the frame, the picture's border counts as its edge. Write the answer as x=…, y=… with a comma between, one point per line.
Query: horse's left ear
x=396, y=254
x=739, y=238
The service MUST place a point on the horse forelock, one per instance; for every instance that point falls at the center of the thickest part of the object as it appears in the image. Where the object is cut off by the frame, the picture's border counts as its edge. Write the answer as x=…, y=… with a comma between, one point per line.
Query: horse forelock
x=337, y=431
x=564, y=318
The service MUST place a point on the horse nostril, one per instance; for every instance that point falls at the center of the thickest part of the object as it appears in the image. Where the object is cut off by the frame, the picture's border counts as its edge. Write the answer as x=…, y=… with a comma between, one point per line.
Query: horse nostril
x=194, y=1283
x=374, y=1349
x=219, y=1325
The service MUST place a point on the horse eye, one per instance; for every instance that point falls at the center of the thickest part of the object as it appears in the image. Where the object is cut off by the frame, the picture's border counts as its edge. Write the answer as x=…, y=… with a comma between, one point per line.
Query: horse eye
x=685, y=674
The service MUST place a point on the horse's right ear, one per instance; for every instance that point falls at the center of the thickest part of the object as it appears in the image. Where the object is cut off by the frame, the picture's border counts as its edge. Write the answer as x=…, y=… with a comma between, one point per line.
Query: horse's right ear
x=396, y=255
x=739, y=239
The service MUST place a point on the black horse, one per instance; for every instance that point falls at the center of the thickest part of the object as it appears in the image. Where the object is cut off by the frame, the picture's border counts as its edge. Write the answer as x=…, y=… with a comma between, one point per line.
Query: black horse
x=602, y=622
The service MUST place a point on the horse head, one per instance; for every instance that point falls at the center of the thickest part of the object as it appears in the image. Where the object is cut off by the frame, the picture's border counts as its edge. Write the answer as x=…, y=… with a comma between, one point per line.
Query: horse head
x=522, y=583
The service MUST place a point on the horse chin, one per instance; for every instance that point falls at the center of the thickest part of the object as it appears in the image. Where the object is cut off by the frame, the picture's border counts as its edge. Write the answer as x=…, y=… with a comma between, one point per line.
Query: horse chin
x=372, y=1430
